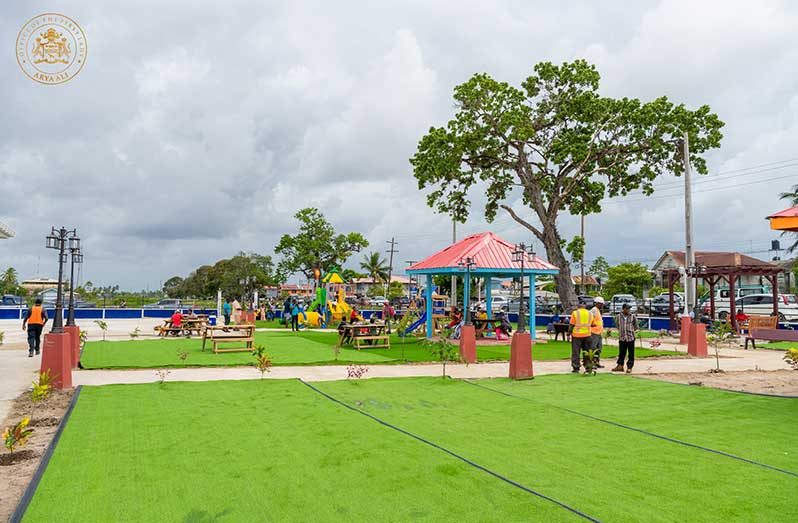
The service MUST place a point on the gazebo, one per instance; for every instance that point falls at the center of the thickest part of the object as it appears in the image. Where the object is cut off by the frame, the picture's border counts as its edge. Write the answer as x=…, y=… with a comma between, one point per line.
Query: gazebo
x=491, y=257
x=715, y=267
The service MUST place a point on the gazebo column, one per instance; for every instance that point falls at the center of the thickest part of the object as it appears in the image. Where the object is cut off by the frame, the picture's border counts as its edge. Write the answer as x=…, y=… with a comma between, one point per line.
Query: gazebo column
x=488, y=296
x=466, y=297
x=712, y=281
x=532, y=312
x=774, y=282
x=732, y=304
x=428, y=306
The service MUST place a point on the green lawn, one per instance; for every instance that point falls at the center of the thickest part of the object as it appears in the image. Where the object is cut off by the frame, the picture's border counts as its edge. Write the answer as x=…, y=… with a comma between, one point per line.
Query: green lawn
x=778, y=345
x=278, y=451
x=303, y=348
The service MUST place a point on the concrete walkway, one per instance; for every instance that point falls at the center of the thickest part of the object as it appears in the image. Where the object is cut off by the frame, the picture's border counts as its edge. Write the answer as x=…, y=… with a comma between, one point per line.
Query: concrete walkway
x=17, y=372
x=731, y=360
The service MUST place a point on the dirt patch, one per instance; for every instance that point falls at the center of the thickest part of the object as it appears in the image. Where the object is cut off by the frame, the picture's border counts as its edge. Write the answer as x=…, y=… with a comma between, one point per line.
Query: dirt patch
x=777, y=382
x=16, y=472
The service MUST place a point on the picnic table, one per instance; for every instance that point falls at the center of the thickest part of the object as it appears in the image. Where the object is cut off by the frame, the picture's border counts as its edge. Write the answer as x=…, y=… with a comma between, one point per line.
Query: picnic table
x=356, y=334
x=562, y=328
x=481, y=325
x=218, y=334
x=186, y=327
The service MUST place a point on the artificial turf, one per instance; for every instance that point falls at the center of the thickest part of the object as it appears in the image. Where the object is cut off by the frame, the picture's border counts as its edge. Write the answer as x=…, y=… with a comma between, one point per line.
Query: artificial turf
x=303, y=348
x=278, y=451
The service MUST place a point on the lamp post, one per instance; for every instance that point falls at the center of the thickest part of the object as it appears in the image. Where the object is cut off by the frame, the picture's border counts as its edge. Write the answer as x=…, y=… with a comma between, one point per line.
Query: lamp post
x=467, y=263
x=521, y=254
x=57, y=239
x=77, y=257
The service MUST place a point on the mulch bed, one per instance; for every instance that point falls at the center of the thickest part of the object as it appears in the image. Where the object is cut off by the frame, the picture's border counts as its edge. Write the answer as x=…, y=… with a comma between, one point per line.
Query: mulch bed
x=17, y=470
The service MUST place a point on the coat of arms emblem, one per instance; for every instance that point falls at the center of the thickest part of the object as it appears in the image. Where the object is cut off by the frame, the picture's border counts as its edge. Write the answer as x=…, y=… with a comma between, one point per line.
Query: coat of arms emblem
x=51, y=47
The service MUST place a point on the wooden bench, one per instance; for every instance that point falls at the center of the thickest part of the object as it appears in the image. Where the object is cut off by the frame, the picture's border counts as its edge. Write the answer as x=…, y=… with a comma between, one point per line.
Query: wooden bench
x=369, y=335
x=229, y=334
x=770, y=335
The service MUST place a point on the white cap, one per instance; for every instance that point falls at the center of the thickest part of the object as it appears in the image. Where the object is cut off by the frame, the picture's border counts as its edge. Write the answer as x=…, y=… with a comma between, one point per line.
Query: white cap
x=598, y=299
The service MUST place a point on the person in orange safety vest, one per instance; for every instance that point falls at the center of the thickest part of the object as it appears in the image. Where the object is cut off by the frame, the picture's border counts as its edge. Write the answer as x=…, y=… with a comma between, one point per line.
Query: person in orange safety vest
x=581, y=322
x=34, y=321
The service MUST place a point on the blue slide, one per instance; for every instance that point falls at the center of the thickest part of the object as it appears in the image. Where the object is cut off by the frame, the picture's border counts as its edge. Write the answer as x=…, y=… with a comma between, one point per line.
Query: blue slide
x=416, y=324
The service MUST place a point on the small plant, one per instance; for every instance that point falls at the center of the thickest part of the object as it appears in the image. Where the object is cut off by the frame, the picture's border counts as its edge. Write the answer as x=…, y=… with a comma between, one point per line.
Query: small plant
x=722, y=335
x=135, y=333
x=655, y=343
x=103, y=326
x=182, y=355
x=608, y=333
x=442, y=350
x=791, y=357
x=336, y=351
x=2, y=335
x=42, y=389
x=590, y=361
x=84, y=336
x=355, y=372
x=162, y=374
x=263, y=361
x=17, y=435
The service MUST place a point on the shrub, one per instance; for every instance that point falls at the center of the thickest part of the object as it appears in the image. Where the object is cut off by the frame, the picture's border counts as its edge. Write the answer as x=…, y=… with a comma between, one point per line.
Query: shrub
x=442, y=350
x=263, y=361
x=355, y=372
x=17, y=435
x=135, y=334
x=791, y=357
x=41, y=389
x=103, y=326
x=182, y=355
x=721, y=335
x=590, y=361
x=2, y=335
x=162, y=374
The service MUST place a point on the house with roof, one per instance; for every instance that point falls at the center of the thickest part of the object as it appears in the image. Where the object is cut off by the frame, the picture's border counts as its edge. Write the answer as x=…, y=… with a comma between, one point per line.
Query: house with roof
x=673, y=260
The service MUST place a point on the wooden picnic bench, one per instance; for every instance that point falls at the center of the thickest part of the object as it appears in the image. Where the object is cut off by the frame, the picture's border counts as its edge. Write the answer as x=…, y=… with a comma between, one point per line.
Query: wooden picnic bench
x=481, y=325
x=187, y=326
x=562, y=328
x=218, y=334
x=768, y=333
x=373, y=335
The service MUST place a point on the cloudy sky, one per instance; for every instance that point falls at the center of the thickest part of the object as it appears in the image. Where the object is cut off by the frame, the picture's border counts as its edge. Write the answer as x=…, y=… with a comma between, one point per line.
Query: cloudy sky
x=197, y=129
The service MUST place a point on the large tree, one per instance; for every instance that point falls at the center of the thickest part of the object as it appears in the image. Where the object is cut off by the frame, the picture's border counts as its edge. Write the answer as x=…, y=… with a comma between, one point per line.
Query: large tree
x=254, y=270
x=627, y=278
x=316, y=245
x=560, y=144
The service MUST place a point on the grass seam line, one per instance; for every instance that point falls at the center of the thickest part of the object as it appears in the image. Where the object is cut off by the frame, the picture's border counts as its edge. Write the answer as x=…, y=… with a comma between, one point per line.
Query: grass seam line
x=641, y=431
x=30, y=490
x=454, y=454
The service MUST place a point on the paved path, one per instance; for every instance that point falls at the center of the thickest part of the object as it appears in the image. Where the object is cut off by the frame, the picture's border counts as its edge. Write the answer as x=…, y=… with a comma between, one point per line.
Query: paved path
x=17, y=372
x=731, y=360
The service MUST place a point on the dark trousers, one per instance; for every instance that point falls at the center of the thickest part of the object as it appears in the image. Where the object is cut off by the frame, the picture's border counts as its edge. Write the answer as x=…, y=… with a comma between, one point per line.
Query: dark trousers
x=35, y=338
x=294, y=323
x=597, y=344
x=626, y=348
x=227, y=319
x=577, y=346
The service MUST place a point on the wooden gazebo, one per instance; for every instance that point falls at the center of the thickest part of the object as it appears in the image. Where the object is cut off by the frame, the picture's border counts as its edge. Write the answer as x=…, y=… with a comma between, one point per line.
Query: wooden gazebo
x=715, y=267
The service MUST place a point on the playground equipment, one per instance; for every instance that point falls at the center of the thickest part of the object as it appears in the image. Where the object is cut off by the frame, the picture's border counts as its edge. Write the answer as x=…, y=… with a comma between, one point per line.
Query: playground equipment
x=331, y=311
x=439, y=316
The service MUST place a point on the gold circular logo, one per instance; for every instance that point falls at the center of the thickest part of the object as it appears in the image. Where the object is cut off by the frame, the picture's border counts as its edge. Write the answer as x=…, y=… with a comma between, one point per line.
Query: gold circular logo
x=51, y=48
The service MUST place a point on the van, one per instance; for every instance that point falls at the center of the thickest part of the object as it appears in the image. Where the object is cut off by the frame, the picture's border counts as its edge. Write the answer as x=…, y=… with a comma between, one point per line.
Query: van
x=722, y=306
x=617, y=301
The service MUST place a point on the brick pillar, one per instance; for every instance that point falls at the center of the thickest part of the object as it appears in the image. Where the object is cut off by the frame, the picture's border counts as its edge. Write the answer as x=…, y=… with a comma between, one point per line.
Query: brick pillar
x=521, y=356
x=684, y=334
x=74, y=341
x=468, y=344
x=57, y=358
x=697, y=344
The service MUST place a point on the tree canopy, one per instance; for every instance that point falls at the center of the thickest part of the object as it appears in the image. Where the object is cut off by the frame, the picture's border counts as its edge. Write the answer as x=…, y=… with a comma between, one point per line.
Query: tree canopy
x=316, y=245
x=559, y=146
x=376, y=268
x=627, y=278
x=226, y=275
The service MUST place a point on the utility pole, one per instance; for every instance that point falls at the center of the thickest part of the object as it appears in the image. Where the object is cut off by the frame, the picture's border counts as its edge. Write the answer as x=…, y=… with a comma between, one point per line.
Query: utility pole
x=391, y=251
x=410, y=281
x=453, y=292
x=582, y=257
x=688, y=228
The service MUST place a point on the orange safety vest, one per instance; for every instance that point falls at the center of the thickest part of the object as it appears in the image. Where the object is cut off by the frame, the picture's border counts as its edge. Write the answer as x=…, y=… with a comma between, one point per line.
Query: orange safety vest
x=580, y=319
x=597, y=325
x=36, y=316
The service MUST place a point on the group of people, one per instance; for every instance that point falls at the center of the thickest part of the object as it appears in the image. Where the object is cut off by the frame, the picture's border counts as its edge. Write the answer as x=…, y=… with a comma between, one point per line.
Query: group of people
x=587, y=329
x=501, y=327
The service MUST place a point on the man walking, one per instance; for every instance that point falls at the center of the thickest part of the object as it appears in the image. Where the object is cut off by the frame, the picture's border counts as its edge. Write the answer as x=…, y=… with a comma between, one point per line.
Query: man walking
x=627, y=329
x=597, y=328
x=34, y=321
x=580, y=334
x=227, y=309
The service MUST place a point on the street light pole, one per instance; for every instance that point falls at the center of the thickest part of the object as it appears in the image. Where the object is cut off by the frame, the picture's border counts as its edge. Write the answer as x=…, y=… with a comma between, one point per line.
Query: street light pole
x=57, y=240
x=520, y=254
x=466, y=264
x=76, y=257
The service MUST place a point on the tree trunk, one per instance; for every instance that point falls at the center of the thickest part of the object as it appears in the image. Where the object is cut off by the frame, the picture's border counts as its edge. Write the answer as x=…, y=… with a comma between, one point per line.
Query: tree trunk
x=554, y=252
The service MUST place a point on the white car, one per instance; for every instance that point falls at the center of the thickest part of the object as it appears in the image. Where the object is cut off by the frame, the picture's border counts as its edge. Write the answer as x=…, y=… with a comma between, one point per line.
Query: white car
x=616, y=304
x=762, y=305
x=498, y=303
x=378, y=300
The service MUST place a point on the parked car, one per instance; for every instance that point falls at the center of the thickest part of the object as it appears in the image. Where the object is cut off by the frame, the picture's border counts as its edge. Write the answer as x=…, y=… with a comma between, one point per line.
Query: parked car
x=377, y=301
x=617, y=301
x=762, y=305
x=587, y=300
x=10, y=300
x=167, y=303
x=400, y=302
x=541, y=306
x=660, y=305
x=498, y=302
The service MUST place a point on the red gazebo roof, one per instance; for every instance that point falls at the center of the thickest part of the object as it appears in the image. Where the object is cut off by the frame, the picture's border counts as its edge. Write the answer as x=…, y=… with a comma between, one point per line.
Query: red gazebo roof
x=488, y=251
x=792, y=212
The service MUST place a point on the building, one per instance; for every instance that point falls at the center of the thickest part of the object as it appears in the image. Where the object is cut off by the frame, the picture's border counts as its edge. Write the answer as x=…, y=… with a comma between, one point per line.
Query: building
x=39, y=284
x=362, y=286
x=787, y=280
x=296, y=290
x=5, y=231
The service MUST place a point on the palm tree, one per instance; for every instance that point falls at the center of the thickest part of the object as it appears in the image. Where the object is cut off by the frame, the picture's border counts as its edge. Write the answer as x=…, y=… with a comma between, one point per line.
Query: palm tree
x=792, y=197
x=375, y=267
